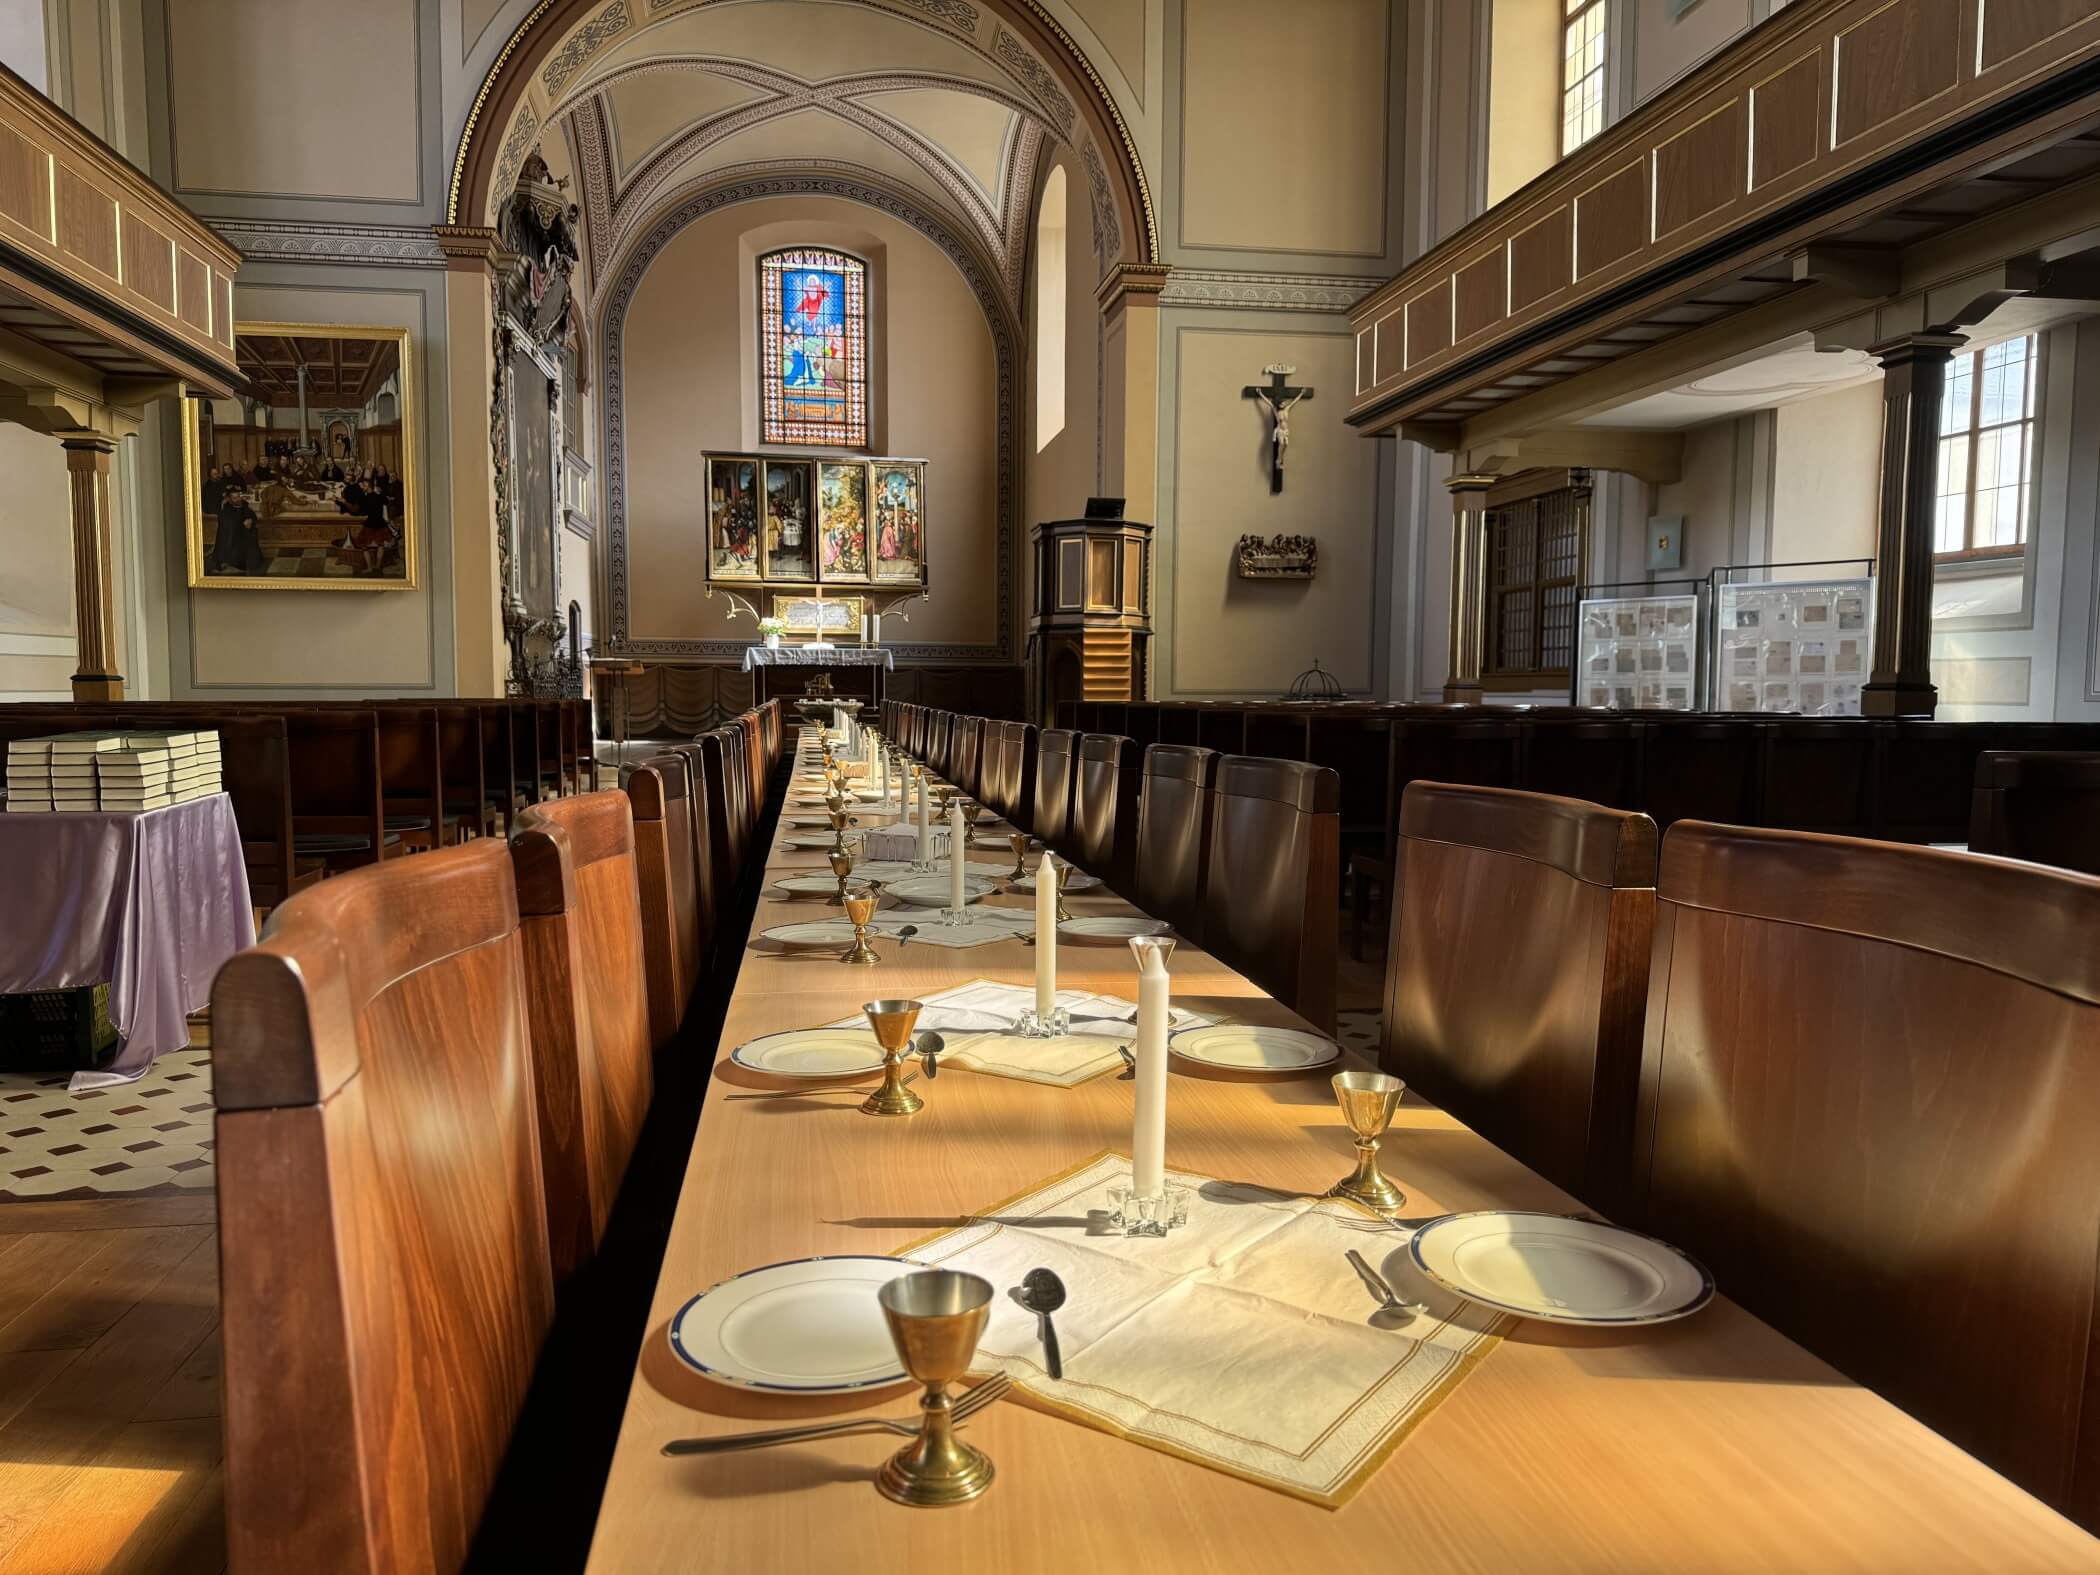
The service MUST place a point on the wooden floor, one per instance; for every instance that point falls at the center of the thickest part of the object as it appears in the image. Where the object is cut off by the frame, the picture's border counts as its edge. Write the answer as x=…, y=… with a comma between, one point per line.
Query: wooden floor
x=109, y=1387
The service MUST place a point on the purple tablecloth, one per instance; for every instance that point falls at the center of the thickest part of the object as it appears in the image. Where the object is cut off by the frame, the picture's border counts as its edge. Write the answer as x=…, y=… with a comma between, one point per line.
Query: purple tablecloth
x=150, y=904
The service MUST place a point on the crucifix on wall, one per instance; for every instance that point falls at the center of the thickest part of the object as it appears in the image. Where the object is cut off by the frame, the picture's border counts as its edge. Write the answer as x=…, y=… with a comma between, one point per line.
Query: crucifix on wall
x=1277, y=398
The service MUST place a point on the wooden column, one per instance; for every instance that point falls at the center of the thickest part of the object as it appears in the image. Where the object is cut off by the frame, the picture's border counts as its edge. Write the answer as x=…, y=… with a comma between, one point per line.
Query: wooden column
x=1914, y=377
x=1468, y=586
x=94, y=602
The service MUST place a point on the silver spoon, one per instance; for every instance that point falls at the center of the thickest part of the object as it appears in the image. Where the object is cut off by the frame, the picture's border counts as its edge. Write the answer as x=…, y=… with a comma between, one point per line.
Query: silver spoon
x=906, y=934
x=1376, y=1284
x=1042, y=1293
x=930, y=1044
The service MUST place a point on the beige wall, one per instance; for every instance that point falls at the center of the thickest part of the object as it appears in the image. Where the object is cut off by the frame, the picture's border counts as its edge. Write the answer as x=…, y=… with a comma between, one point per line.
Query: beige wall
x=690, y=386
x=1062, y=476
x=1524, y=64
x=1827, y=475
x=1284, y=130
x=1228, y=636
x=36, y=568
x=1665, y=48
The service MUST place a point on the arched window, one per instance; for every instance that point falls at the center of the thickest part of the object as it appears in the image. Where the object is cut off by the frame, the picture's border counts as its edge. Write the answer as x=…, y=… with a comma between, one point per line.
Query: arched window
x=813, y=348
x=1050, y=312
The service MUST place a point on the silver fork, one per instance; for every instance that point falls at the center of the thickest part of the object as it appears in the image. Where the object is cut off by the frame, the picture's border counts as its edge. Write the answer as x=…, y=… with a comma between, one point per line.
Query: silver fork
x=976, y=1400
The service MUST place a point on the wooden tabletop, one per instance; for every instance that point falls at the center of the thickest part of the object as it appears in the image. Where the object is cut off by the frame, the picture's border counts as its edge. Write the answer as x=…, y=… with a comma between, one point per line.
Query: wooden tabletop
x=1711, y=1444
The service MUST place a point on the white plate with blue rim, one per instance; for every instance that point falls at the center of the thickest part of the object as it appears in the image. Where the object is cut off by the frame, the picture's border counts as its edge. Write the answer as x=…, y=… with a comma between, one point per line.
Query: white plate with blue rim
x=933, y=891
x=810, y=1326
x=1560, y=1270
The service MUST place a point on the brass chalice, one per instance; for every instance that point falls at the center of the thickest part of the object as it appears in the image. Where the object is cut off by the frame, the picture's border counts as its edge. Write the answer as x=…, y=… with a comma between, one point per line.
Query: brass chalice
x=839, y=822
x=860, y=908
x=841, y=863
x=1064, y=877
x=893, y=1022
x=936, y=1318
x=1368, y=1100
x=1019, y=842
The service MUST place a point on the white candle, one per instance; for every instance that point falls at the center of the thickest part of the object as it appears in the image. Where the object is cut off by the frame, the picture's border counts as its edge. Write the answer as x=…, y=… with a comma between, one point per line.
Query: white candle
x=884, y=763
x=1148, y=1137
x=1045, y=938
x=957, y=836
x=925, y=822
x=903, y=786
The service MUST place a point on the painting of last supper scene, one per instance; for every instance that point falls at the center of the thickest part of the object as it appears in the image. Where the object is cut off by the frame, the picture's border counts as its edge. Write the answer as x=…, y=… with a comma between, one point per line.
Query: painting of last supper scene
x=308, y=480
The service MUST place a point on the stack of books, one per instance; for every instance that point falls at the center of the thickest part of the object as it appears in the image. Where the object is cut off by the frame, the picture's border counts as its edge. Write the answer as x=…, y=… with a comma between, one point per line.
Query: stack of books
x=55, y=771
x=116, y=772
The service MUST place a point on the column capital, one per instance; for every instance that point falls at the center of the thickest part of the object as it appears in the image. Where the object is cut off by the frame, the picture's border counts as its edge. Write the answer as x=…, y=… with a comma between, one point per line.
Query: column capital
x=468, y=246
x=86, y=443
x=1144, y=281
x=1933, y=344
x=1467, y=481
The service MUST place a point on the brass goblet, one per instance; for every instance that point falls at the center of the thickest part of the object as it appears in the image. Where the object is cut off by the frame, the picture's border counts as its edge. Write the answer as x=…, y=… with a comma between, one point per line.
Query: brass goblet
x=936, y=1318
x=841, y=863
x=1064, y=877
x=839, y=822
x=1368, y=1100
x=1019, y=842
x=893, y=1022
x=860, y=908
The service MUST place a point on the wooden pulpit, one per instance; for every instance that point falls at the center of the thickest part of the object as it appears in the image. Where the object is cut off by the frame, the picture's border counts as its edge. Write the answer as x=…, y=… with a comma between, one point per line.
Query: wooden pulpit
x=1090, y=633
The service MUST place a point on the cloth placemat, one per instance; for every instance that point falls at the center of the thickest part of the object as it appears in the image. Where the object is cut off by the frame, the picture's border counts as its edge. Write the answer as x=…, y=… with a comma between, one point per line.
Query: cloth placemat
x=1241, y=1341
x=884, y=871
x=974, y=1019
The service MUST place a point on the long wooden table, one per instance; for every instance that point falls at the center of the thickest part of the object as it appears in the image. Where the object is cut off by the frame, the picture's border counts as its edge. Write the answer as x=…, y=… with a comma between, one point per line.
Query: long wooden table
x=1712, y=1444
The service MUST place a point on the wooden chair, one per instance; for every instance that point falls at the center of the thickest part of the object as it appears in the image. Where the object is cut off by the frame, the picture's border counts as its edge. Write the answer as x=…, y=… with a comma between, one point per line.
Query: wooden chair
x=1174, y=829
x=1021, y=763
x=969, y=757
x=1700, y=768
x=502, y=787
x=664, y=872
x=411, y=773
x=991, y=768
x=2039, y=806
x=1104, y=831
x=1056, y=772
x=709, y=899
x=1272, y=900
x=1866, y=1098
x=587, y=992
x=384, y=1281
x=1517, y=974
x=338, y=807
x=462, y=770
x=718, y=755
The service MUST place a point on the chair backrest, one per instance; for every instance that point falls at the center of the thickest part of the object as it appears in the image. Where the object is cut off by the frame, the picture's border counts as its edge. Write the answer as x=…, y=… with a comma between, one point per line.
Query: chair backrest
x=718, y=753
x=1174, y=828
x=411, y=773
x=969, y=753
x=335, y=774
x=1104, y=831
x=1517, y=973
x=2038, y=805
x=1275, y=879
x=707, y=894
x=587, y=988
x=499, y=755
x=1866, y=1104
x=991, y=766
x=1056, y=774
x=461, y=764
x=664, y=865
x=383, y=1265
x=1021, y=763
x=1700, y=769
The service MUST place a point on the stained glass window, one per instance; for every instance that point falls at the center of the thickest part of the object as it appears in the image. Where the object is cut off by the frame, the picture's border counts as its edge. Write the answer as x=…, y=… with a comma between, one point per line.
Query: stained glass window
x=813, y=333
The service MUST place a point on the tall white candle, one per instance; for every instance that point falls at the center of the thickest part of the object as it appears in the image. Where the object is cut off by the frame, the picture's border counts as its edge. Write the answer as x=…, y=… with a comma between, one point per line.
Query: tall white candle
x=957, y=836
x=903, y=786
x=1148, y=1137
x=925, y=821
x=1045, y=938
x=884, y=764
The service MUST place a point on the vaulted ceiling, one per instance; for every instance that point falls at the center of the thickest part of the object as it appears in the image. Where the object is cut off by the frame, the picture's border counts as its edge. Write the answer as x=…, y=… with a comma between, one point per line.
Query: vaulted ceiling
x=933, y=98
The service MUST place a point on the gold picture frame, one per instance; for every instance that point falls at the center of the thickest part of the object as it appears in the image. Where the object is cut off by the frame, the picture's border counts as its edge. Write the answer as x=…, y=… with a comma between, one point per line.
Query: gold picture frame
x=346, y=502
x=837, y=618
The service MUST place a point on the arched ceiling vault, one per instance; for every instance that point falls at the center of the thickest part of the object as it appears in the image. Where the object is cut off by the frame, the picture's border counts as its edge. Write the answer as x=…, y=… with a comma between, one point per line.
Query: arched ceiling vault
x=955, y=102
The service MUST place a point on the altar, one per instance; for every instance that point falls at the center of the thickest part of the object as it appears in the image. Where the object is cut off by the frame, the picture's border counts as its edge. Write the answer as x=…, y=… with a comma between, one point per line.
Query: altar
x=874, y=660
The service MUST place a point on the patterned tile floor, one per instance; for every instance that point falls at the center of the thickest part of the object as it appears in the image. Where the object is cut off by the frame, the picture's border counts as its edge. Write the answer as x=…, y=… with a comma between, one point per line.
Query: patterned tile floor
x=1358, y=1031
x=152, y=1136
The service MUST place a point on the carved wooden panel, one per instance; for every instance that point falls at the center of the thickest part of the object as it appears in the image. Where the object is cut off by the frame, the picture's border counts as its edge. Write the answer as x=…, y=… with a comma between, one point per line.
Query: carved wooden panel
x=149, y=263
x=1784, y=120
x=1611, y=218
x=1483, y=292
x=2008, y=28
x=87, y=223
x=1429, y=323
x=25, y=182
x=1893, y=60
x=1699, y=168
x=1540, y=260
x=195, y=282
x=1388, y=348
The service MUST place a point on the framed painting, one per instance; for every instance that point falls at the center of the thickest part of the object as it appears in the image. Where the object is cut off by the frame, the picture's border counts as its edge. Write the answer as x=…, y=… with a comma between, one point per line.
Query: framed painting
x=790, y=551
x=732, y=517
x=835, y=618
x=842, y=522
x=311, y=483
x=899, y=525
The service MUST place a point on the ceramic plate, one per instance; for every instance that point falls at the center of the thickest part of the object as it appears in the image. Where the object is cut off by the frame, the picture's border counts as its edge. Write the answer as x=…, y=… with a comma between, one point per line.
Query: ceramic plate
x=813, y=885
x=814, y=935
x=931, y=891
x=811, y=1326
x=812, y=1052
x=1109, y=932
x=1249, y=1049
x=1559, y=1270
x=805, y=843
x=1078, y=880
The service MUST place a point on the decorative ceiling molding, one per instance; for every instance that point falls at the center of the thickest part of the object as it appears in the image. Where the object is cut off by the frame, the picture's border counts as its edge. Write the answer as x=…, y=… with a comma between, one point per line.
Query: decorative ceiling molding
x=381, y=245
x=1265, y=292
x=727, y=188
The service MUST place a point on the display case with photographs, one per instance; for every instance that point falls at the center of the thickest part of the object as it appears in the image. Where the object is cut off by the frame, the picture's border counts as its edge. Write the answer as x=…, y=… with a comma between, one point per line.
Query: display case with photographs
x=1638, y=653
x=1802, y=646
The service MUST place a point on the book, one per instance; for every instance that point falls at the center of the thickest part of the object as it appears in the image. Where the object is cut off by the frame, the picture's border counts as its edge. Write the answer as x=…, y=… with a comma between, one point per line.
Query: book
x=29, y=806
x=174, y=739
x=84, y=743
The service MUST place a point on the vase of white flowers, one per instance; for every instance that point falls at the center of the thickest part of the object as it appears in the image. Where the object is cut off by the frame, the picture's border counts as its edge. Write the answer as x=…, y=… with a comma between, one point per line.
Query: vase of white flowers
x=772, y=629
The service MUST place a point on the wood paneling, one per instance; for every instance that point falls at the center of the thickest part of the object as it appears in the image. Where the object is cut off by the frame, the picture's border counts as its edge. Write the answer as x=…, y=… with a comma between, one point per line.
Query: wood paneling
x=1541, y=260
x=1699, y=168
x=149, y=262
x=1429, y=323
x=194, y=293
x=1611, y=218
x=25, y=182
x=87, y=223
x=2009, y=27
x=1482, y=288
x=1784, y=120
x=1891, y=61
